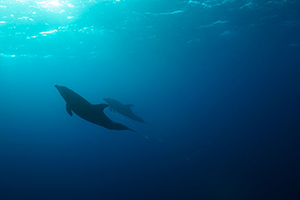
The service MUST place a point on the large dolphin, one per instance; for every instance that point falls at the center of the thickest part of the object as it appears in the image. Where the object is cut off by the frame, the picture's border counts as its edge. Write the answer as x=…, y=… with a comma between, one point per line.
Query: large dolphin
x=125, y=110
x=88, y=111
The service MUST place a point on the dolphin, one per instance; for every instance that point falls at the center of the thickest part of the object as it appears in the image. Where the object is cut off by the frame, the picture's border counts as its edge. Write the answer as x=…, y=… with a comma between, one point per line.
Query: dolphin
x=88, y=111
x=125, y=110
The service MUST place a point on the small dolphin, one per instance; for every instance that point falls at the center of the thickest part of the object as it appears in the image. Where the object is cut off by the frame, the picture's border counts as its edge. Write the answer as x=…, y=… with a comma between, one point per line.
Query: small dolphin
x=88, y=111
x=125, y=110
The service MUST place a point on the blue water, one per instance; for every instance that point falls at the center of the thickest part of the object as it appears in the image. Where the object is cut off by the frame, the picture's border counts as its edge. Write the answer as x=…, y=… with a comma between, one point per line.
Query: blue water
x=217, y=81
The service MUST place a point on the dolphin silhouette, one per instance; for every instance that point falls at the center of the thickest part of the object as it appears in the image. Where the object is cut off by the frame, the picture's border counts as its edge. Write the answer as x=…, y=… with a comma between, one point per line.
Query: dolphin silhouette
x=88, y=111
x=125, y=110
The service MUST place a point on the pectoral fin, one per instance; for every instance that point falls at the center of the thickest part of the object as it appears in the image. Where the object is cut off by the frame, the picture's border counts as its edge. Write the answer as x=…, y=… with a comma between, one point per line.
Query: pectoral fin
x=69, y=110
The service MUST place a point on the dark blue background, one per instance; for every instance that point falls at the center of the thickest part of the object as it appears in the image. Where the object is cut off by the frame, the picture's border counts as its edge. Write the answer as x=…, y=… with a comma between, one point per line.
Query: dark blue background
x=216, y=81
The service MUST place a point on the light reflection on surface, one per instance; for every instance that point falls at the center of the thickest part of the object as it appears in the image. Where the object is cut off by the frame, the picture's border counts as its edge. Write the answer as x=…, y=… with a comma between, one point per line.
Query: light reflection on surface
x=25, y=24
x=54, y=6
x=47, y=32
x=16, y=13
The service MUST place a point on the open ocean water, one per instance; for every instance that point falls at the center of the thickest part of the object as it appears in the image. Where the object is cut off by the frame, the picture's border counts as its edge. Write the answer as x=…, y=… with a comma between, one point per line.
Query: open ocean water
x=216, y=81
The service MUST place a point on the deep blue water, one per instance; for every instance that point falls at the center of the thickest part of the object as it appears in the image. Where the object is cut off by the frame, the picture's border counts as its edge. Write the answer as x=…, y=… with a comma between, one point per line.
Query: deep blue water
x=217, y=81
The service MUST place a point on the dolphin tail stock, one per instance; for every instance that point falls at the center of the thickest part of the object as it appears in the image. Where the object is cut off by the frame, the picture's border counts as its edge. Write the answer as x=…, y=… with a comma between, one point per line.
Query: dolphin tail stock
x=132, y=130
x=142, y=121
x=137, y=118
x=146, y=137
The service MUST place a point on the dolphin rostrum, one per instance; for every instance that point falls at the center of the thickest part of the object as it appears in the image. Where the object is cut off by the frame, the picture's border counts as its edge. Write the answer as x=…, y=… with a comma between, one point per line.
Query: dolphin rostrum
x=88, y=111
x=125, y=110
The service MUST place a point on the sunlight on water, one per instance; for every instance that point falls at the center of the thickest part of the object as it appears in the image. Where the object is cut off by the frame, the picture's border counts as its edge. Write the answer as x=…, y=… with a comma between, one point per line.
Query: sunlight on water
x=54, y=6
x=46, y=32
x=38, y=8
